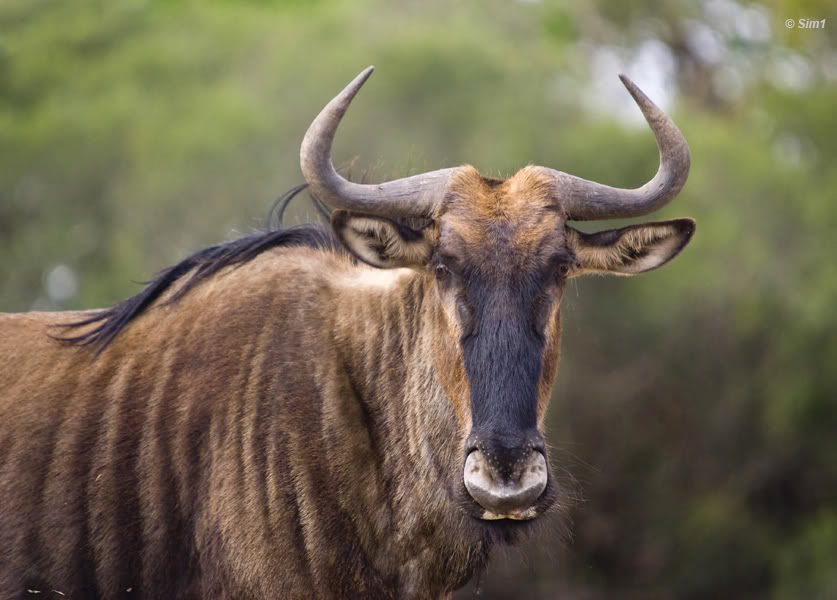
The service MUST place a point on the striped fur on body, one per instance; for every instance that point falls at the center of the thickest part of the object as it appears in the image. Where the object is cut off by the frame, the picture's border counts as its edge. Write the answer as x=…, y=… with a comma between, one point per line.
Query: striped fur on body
x=248, y=441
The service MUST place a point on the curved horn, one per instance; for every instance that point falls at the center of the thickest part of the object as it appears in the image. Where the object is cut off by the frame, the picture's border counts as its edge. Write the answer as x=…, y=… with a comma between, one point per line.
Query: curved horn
x=587, y=200
x=419, y=195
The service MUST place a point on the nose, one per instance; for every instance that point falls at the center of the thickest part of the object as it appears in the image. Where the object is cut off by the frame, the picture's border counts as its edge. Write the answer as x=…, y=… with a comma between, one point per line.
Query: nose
x=505, y=478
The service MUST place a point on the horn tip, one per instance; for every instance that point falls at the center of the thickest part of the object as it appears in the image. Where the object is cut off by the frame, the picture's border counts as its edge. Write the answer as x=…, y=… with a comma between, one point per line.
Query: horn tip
x=344, y=98
x=645, y=103
x=631, y=86
x=364, y=75
x=358, y=81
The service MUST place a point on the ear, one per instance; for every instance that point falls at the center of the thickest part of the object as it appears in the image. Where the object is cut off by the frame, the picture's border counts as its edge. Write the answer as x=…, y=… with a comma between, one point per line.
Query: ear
x=630, y=250
x=385, y=243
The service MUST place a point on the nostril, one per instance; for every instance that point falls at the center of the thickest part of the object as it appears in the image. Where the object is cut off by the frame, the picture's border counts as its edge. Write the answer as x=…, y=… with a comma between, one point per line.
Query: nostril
x=471, y=445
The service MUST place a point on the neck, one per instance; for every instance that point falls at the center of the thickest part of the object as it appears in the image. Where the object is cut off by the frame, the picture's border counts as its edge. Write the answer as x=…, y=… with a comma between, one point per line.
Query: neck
x=387, y=332
x=387, y=329
x=379, y=326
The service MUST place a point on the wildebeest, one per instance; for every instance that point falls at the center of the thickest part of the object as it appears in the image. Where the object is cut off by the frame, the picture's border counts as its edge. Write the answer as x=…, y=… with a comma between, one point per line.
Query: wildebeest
x=343, y=412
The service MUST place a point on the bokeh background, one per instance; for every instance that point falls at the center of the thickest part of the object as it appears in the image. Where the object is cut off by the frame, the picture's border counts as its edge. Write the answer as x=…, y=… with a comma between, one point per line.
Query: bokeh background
x=696, y=406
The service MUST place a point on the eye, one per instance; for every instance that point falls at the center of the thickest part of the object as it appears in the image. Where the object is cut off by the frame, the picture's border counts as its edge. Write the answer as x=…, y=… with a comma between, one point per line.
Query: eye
x=564, y=266
x=441, y=271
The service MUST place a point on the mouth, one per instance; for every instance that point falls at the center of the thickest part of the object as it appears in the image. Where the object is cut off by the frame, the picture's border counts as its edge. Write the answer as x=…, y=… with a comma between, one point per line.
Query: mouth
x=521, y=515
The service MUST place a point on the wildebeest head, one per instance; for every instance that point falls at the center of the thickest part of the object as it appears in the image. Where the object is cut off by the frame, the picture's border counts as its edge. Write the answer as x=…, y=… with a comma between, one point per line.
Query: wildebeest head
x=499, y=253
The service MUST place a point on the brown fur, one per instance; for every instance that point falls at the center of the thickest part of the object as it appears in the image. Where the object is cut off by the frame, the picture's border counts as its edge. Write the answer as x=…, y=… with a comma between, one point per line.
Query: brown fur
x=292, y=427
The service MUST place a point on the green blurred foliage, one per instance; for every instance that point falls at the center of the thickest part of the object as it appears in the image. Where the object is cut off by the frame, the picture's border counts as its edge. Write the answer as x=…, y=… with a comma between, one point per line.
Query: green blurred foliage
x=695, y=406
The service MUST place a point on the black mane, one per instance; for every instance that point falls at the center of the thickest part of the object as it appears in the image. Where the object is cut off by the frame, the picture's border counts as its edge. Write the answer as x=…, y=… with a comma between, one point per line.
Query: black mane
x=202, y=265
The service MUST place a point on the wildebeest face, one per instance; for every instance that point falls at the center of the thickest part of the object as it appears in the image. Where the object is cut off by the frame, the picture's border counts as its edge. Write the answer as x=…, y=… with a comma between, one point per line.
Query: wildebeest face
x=498, y=258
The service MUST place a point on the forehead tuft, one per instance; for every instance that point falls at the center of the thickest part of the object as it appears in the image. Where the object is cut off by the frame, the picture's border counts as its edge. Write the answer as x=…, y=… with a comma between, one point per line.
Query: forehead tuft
x=528, y=192
x=512, y=221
